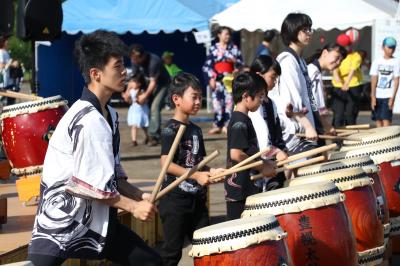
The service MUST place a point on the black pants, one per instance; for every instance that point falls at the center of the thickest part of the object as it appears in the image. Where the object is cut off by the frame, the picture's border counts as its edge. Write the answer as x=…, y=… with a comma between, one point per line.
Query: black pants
x=346, y=106
x=234, y=209
x=181, y=215
x=123, y=247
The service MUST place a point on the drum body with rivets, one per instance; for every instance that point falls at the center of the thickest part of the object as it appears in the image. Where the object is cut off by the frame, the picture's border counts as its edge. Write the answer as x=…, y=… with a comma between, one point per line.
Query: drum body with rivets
x=362, y=209
x=26, y=129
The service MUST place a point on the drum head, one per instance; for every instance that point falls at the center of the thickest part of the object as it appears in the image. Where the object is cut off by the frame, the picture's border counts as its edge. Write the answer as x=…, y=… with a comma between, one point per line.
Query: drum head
x=373, y=136
x=345, y=179
x=234, y=235
x=293, y=199
x=33, y=106
x=379, y=153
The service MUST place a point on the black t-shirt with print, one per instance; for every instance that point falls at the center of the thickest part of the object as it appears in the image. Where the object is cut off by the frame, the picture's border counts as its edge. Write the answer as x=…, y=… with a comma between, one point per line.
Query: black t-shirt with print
x=242, y=136
x=190, y=152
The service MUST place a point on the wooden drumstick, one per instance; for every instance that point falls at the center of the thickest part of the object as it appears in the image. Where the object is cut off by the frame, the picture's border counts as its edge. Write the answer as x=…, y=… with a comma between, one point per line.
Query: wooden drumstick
x=361, y=126
x=348, y=133
x=18, y=95
x=293, y=166
x=307, y=154
x=251, y=158
x=188, y=174
x=167, y=162
x=302, y=135
x=235, y=170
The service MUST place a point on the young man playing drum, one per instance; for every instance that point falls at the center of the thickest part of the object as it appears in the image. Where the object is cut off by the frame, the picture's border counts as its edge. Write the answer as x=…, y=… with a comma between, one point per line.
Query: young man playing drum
x=83, y=183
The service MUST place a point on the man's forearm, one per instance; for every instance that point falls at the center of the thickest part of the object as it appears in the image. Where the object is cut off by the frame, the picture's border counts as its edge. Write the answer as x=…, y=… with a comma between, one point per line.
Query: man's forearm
x=128, y=190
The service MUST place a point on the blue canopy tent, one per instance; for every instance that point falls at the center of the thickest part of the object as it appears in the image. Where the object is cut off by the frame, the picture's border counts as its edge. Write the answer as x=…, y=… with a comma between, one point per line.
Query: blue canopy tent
x=158, y=25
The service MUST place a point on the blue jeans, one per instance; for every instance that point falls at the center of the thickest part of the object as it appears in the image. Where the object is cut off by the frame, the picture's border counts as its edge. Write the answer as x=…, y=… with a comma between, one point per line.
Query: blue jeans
x=157, y=102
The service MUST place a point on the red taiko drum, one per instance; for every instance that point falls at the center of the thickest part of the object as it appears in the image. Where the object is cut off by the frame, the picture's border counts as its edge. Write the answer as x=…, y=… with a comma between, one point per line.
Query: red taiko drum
x=26, y=129
x=386, y=155
x=315, y=219
x=247, y=241
x=366, y=163
x=362, y=209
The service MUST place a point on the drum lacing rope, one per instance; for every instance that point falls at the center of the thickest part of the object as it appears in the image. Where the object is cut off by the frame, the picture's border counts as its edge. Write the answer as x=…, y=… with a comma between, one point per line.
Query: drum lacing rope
x=277, y=203
x=237, y=234
x=370, y=258
x=349, y=178
x=28, y=172
x=372, y=153
x=36, y=104
x=394, y=229
x=362, y=143
x=340, y=167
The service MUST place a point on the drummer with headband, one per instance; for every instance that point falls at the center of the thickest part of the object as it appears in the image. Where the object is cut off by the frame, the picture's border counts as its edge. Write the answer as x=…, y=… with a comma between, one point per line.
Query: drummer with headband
x=83, y=182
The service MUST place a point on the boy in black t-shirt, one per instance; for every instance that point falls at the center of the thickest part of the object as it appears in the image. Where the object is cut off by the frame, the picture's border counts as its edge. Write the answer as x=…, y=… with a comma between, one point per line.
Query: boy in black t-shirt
x=183, y=210
x=248, y=93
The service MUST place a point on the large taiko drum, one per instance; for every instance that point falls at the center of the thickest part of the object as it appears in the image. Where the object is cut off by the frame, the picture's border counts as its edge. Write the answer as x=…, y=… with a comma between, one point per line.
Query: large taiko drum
x=248, y=241
x=26, y=129
x=362, y=208
x=366, y=163
x=387, y=156
x=318, y=227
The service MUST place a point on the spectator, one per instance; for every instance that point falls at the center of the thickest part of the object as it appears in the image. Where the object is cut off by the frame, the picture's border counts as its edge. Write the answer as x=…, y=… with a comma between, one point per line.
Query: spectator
x=384, y=83
x=265, y=47
x=172, y=68
x=347, y=86
x=6, y=82
x=224, y=57
x=151, y=66
x=16, y=74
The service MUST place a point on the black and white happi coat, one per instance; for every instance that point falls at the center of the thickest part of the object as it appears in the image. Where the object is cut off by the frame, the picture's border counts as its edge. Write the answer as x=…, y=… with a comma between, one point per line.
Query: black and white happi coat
x=81, y=164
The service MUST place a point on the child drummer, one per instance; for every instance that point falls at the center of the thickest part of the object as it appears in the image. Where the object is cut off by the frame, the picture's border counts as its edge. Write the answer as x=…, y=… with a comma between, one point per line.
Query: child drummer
x=183, y=210
x=248, y=93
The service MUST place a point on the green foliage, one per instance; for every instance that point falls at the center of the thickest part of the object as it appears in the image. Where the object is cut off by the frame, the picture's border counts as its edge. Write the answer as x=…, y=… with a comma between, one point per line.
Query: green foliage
x=20, y=50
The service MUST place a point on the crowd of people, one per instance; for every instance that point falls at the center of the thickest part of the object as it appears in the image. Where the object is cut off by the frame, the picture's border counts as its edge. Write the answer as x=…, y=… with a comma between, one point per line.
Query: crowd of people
x=266, y=105
x=11, y=71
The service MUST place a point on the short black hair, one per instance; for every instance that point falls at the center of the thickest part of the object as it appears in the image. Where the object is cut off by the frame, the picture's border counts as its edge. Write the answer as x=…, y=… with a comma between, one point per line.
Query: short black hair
x=329, y=47
x=181, y=82
x=137, y=49
x=137, y=77
x=95, y=49
x=263, y=63
x=292, y=25
x=269, y=35
x=247, y=82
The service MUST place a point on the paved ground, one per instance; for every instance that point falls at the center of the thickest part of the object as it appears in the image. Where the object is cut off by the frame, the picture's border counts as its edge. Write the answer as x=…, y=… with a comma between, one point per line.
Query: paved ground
x=143, y=162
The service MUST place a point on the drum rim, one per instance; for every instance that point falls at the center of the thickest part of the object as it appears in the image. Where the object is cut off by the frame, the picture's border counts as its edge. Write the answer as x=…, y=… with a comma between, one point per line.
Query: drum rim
x=391, y=135
x=355, y=177
x=364, y=162
x=291, y=201
x=21, y=108
x=371, y=255
x=378, y=155
x=235, y=235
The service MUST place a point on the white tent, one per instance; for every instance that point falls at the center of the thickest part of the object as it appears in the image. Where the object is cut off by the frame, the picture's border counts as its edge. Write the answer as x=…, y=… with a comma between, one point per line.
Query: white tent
x=255, y=15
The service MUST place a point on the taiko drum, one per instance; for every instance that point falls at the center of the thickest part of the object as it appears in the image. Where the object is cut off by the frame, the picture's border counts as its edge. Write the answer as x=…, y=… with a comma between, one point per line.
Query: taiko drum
x=27, y=128
x=248, y=241
x=315, y=218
